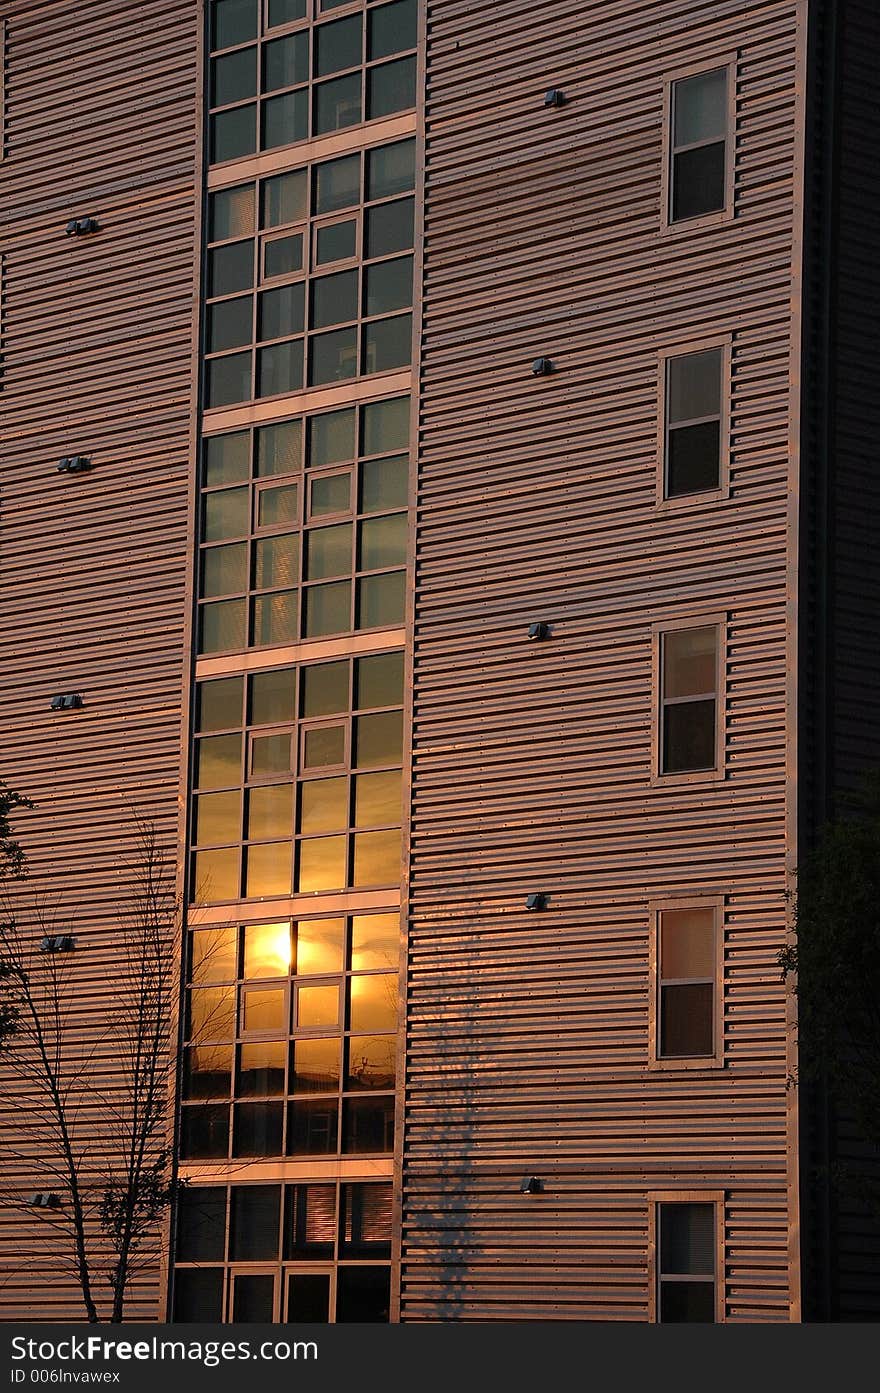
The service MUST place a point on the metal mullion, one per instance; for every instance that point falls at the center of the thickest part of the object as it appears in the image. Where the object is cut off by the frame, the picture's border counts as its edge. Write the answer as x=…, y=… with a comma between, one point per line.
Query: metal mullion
x=700, y=696
x=234, y=106
x=234, y=48
x=694, y=421
x=686, y=981
x=699, y=144
x=687, y=1277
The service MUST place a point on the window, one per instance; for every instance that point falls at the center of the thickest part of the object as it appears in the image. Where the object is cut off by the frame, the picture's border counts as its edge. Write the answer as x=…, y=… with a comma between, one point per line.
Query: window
x=685, y=1247
x=694, y=449
x=689, y=701
x=686, y=955
x=698, y=174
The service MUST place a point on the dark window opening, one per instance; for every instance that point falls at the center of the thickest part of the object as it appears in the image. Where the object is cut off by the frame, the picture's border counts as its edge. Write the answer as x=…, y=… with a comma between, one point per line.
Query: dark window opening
x=688, y=700
x=699, y=145
x=686, y=1263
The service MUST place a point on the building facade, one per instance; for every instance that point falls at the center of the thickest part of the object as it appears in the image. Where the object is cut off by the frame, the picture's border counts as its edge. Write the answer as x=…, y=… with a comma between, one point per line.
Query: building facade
x=470, y=578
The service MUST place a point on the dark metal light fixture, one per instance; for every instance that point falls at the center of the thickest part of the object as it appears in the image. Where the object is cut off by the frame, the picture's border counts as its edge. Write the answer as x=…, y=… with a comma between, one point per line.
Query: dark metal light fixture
x=554, y=97
x=74, y=464
x=537, y=901
x=539, y=630
x=79, y=227
x=542, y=367
x=45, y=1199
x=57, y=943
x=66, y=701
x=531, y=1185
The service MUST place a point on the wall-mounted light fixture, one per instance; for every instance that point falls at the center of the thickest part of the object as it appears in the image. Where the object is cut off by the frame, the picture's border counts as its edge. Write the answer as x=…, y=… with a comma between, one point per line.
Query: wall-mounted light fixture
x=539, y=630
x=66, y=701
x=45, y=1199
x=80, y=227
x=531, y=1185
x=542, y=367
x=74, y=464
x=537, y=901
x=554, y=97
x=57, y=943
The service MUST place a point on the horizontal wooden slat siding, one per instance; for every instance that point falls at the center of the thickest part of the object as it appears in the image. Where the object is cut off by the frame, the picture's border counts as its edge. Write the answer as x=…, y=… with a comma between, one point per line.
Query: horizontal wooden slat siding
x=527, y=1033
x=100, y=120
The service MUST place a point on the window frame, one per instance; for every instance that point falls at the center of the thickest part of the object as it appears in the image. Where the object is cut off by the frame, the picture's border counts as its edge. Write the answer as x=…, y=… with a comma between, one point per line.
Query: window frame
x=718, y=773
x=717, y=1198
x=728, y=62
x=673, y=1062
x=724, y=342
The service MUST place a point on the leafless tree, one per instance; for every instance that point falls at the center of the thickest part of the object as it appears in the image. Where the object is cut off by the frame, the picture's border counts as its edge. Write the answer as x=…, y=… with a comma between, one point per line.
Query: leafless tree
x=99, y=1132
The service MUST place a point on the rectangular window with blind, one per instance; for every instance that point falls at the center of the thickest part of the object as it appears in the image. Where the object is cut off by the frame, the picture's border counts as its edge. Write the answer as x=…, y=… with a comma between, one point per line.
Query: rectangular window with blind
x=685, y=1021
x=686, y=1257
x=689, y=668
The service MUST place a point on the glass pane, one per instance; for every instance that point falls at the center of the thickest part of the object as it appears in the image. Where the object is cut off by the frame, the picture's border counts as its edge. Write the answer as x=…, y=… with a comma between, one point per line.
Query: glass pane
x=228, y=379
x=270, y=812
x=381, y=601
x=267, y=950
x=285, y=119
x=328, y=608
x=233, y=134
x=217, y=818
x=698, y=181
x=317, y=1006
x=363, y=1294
x=313, y=1126
x=224, y=570
x=379, y=739
x=204, y=1132
x=689, y=736
x=373, y=1002
x=388, y=286
x=324, y=745
x=218, y=761
x=333, y=356
x=388, y=344
x=269, y=869
x=375, y=941
x=272, y=696
x=231, y=213
x=390, y=227
x=201, y=1223
x=322, y=866
x=694, y=386
x=325, y=689
x=323, y=806
x=310, y=1220
x=336, y=242
x=391, y=169
x=207, y=1071
x=198, y=1295
x=385, y=426
x=338, y=46
x=331, y=437
x=377, y=858
x=254, y=1223
x=284, y=255
x=377, y=803
x=331, y=494
x=308, y=1298
x=231, y=268
x=384, y=483
x=227, y=458
x=315, y=1066
x=277, y=563
x=701, y=107
x=687, y=1301
x=257, y=1129
x=329, y=551
x=277, y=506
x=233, y=22
x=379, y=680
x=284, y=198
x=383, y=542
x=334, y=299
x=686, y=1020
x=366, y=1220
x=371, y=1063
x=286, y=62
x=261, y=1069
x=391, y=87
x=230, y=324
x=338, y=103
x=687, y=1240
x=211, y=1014
x=282, y=311
x=271, y=754
x=337, y=184
x=213, y=954
x=687, y=943
x=219, y=704
x=222, y=626
x=693, y=459
x=320, y=946
x=234, y=77
x=279, y=448
x=368, y=1125
x=283, y=11
x=689, y=662
x=263, y=1010
x=392, y=28
x=279, y=368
